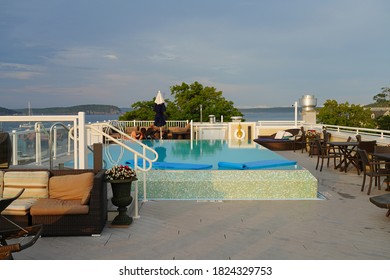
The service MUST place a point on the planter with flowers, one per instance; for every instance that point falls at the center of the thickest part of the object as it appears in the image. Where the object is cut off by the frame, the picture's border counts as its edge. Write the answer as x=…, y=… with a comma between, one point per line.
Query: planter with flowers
x=120, y=177
x=311, y=137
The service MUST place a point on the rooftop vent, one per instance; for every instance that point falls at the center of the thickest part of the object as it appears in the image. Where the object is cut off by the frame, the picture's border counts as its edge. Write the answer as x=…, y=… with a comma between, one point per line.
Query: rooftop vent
x=308, y=103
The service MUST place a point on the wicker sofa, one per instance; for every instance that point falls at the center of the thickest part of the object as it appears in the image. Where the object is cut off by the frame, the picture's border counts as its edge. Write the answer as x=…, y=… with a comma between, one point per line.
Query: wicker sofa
x=65, y=202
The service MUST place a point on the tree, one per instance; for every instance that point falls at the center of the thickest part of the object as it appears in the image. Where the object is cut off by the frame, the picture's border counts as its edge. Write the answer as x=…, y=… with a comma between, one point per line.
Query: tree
x=142, y=110
x=382, y=99
x=188, y=100
x=186, y=105
x=383, y=122
x=345, y=114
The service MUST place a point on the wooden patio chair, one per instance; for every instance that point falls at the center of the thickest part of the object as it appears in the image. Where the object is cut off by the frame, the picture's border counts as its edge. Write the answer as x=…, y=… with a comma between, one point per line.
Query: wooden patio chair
x=31, y=233
x=325, y=152
x=374, y=169
x=369, y=147
x=300, y=140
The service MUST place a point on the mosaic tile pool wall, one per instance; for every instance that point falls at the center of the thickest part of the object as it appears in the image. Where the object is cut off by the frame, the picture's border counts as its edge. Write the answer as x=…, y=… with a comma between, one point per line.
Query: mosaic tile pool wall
x=228, y=185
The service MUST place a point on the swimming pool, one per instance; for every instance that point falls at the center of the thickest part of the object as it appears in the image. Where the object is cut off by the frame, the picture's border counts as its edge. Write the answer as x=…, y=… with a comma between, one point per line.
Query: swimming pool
x=281, y=182
x=203, y=154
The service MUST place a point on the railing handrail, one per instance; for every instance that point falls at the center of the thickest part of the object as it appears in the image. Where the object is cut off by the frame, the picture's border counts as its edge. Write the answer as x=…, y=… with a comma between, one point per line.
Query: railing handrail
x=136, y=153
x=358, y=130
x=141, y=123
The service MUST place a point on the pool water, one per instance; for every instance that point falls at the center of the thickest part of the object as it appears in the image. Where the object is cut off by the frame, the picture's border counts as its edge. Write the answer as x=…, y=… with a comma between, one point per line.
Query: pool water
x=207, y=152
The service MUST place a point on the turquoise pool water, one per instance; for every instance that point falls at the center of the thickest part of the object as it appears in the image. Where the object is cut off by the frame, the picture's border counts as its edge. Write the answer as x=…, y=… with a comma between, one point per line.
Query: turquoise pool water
x=205, y=152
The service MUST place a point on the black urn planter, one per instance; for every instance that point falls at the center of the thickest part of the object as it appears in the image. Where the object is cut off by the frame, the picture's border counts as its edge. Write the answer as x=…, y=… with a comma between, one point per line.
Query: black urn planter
x=121, y=190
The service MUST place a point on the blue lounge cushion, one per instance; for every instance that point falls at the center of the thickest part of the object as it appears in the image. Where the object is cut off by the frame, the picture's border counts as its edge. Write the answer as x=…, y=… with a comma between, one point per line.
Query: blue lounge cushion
x=269, y=163
x=256, y=164
x=172, y=165
x=231, y=165
x=140, y=162
x=181, y=166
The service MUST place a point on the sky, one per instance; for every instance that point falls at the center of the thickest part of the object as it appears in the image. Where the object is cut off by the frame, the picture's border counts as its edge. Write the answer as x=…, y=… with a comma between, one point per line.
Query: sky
x=259, y=53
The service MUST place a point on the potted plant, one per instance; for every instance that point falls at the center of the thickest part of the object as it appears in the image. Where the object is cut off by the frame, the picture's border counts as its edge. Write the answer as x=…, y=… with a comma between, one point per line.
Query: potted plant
x=120, y=177
x=312, y=135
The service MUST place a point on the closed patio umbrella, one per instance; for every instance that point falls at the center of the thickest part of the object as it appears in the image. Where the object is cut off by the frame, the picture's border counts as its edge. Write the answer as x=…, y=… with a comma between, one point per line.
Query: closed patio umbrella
x=159, y=108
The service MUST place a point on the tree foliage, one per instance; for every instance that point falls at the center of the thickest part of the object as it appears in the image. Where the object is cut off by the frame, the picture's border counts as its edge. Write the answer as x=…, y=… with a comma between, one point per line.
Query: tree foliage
x=142, y=110
x=345, y=114
x=383, y=122
x=188, y=100
x=383, y=98
x=186, y=105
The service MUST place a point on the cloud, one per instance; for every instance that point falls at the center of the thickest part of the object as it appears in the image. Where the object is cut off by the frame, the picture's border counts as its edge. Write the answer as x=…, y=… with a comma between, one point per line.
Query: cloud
x=111, y=56
x=84, y=57
x=19, y=71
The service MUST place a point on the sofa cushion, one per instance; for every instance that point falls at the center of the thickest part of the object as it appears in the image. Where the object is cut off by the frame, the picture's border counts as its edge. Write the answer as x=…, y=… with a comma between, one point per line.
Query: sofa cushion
x=19, y=206
x=35, y=184
x=71, y=187
x=279, y=134
x=53, y=207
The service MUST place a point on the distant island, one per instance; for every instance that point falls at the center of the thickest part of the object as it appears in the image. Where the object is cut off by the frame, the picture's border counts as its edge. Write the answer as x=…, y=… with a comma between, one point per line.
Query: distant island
x=91, y=109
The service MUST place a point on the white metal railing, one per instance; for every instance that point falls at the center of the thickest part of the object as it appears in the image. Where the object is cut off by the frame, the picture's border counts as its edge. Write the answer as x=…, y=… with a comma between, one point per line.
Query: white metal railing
x=280, y=123
x=143, y=156
x=358, y=130
x=40, y=139
x=138, y=123
x=137, y=154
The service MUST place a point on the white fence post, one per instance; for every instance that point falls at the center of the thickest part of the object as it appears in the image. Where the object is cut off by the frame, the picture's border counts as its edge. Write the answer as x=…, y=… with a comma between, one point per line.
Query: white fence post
x=38, y=147
x=83, y=160
x=14, y=148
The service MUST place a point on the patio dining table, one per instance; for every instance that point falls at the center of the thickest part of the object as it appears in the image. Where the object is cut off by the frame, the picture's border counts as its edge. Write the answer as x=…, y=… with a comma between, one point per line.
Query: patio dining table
x=346, y=149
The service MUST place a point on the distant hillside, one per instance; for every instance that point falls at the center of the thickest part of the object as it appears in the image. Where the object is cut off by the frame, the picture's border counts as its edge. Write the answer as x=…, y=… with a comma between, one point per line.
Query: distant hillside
x=7, y=112
x=92, y=109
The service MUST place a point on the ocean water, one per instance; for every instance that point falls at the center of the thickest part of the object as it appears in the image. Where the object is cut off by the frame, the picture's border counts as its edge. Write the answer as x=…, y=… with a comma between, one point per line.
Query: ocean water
x=270, y=116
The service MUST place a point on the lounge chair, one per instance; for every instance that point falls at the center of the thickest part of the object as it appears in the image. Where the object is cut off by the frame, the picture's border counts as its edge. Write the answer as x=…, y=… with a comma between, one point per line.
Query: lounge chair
x=151, y=133
x=280, y=141
x=382, y=201
x=33, y=232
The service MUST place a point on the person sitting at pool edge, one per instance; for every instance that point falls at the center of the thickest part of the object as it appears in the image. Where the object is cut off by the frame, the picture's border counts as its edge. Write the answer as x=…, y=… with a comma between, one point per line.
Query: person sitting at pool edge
x=139, y=135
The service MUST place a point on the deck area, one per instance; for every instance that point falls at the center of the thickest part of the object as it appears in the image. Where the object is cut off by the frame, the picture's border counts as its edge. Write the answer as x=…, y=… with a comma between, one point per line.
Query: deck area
x=344, y=226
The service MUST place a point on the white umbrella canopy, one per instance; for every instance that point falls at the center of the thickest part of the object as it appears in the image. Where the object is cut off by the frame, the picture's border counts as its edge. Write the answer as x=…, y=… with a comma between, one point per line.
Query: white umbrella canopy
x=159, y=98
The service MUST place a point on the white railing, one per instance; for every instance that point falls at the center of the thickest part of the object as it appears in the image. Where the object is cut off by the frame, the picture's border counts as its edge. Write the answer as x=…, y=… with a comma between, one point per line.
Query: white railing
x=280, y=123
x=138, y=123
x=38, y=134
x=145, y=159
x=382, y=134
x=37, y=151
